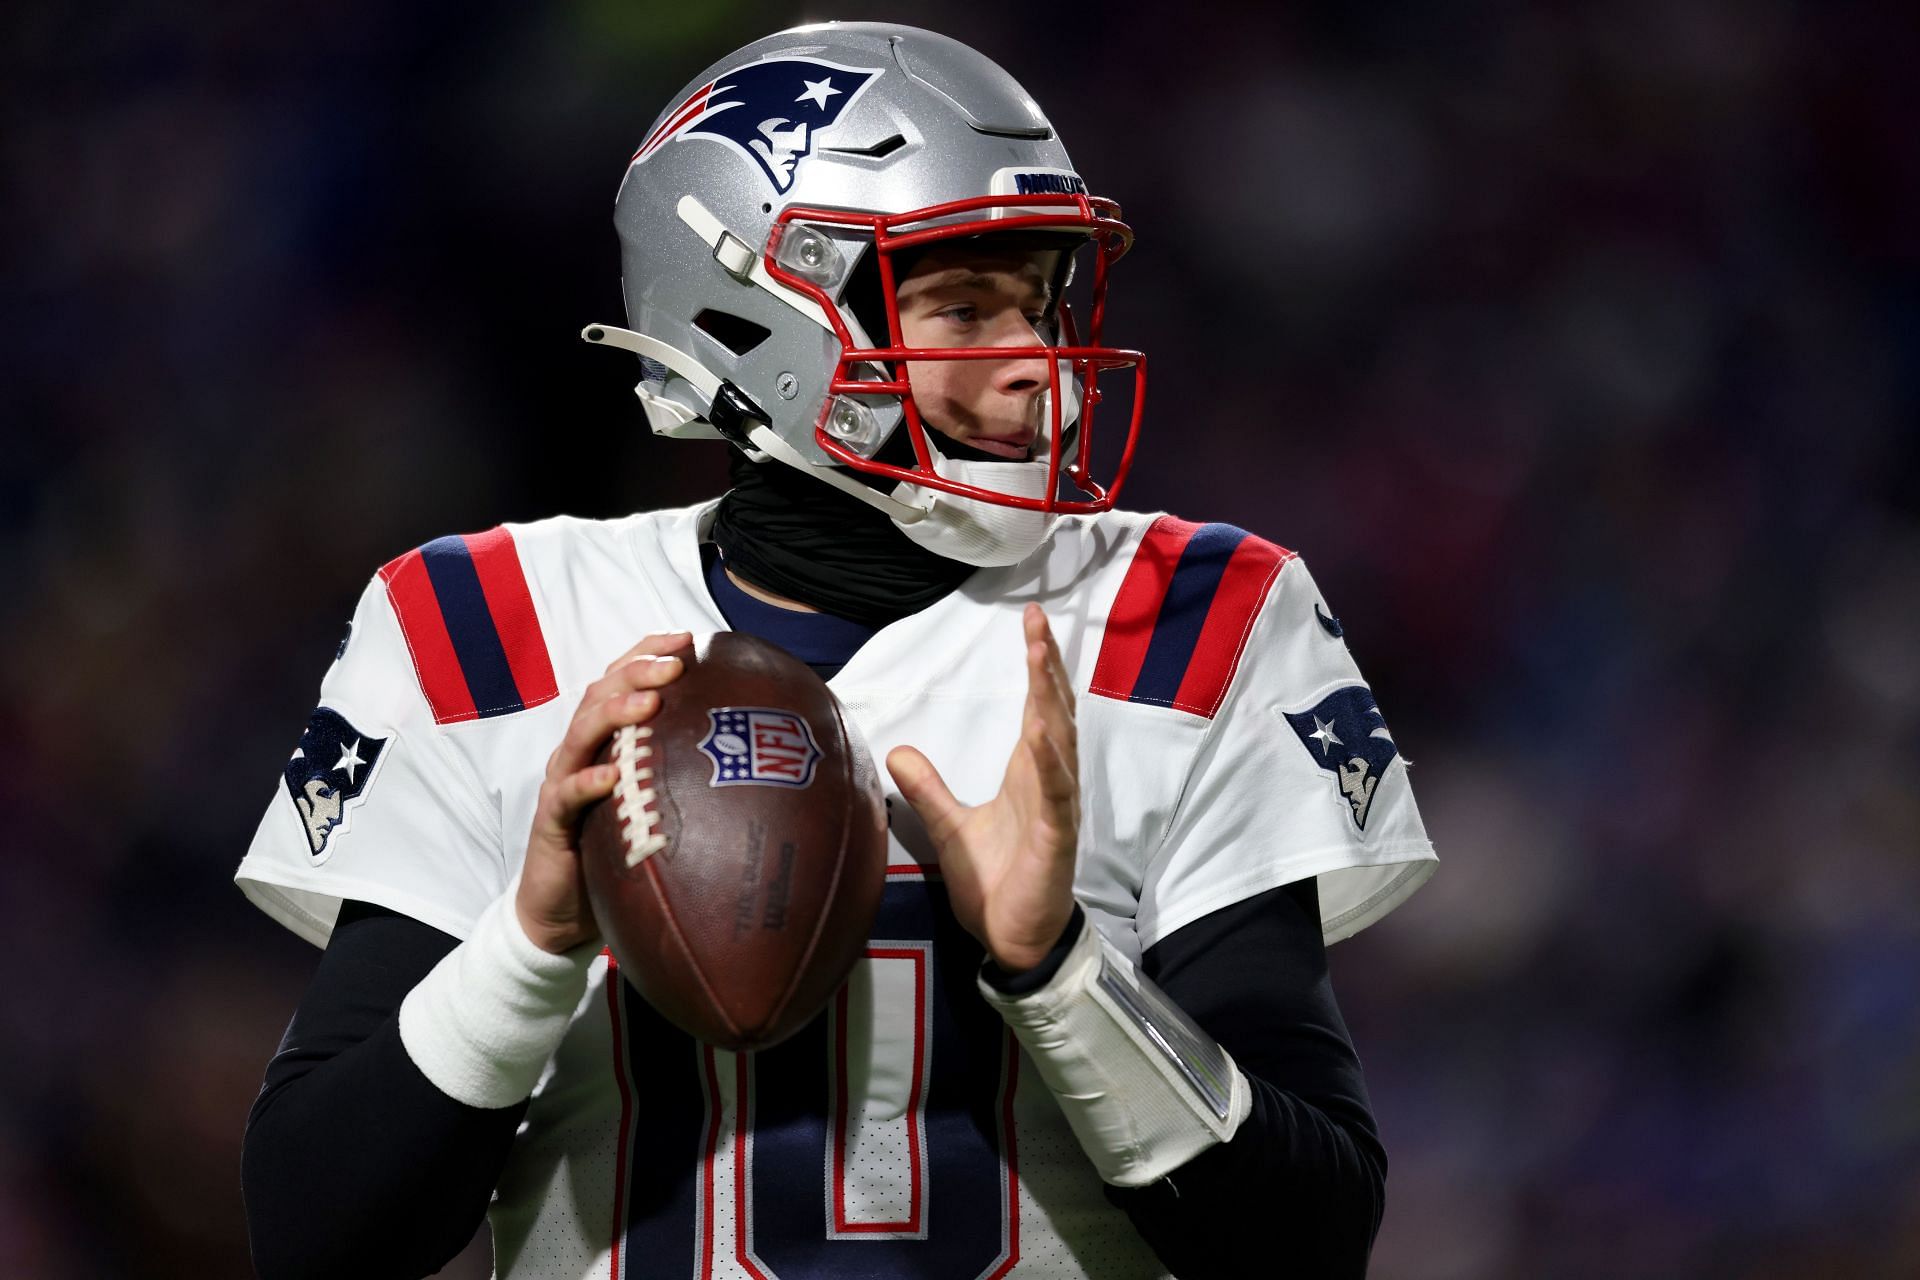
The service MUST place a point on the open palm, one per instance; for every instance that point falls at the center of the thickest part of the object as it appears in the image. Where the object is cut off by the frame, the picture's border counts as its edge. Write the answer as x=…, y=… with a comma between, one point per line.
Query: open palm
x=1008, y=863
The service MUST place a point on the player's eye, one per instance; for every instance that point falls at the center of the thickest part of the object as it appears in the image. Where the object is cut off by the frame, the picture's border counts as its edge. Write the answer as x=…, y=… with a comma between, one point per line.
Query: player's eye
x=960, y=313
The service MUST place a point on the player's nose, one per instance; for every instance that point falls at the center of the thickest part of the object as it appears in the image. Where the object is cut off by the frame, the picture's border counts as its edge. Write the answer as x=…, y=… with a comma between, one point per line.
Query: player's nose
x=1020, y=375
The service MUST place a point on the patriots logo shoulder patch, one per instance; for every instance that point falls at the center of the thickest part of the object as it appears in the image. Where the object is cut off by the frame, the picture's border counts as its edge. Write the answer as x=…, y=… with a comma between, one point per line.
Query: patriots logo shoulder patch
x=759, y=746
x=768, y=112
x=328, y=775
x=1347, y=736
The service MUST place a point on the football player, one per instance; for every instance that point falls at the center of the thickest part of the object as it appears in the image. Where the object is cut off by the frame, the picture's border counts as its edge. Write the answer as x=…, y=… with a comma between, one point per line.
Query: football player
x=1140, y=782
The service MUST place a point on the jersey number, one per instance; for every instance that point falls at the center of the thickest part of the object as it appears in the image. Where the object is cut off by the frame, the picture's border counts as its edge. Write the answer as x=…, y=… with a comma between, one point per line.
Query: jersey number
x=877, y=1141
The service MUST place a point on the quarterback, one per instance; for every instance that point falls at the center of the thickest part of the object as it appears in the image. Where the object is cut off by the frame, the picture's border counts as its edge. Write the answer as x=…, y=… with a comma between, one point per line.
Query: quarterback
x=1137, y=784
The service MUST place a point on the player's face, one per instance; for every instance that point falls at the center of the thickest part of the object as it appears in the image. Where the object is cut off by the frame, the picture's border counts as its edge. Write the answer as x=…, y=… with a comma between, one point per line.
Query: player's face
x=968, y=297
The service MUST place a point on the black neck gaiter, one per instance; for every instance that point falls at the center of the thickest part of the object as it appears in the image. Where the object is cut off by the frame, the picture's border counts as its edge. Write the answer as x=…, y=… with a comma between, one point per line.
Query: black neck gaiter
x=801, y=538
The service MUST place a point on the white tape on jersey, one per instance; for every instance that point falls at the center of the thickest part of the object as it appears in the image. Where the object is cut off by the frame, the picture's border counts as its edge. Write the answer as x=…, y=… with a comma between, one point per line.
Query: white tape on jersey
x=1145, y=1089
x=483, y=1023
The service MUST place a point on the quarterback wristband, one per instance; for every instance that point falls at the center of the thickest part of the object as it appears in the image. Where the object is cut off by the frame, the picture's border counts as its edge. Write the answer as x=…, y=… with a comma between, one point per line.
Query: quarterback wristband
x=1145, y=1089
x=484, y=1021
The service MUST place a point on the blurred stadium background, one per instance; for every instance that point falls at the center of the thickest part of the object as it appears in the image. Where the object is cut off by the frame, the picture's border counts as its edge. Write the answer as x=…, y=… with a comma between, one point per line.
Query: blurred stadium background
x=1576, y=344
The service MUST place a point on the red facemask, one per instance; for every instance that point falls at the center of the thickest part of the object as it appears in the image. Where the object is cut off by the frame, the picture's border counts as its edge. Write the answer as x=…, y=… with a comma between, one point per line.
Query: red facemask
x=787, y=258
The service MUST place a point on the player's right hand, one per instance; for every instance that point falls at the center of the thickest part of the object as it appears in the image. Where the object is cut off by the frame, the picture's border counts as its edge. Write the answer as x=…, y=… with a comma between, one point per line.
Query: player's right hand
x=552, y=901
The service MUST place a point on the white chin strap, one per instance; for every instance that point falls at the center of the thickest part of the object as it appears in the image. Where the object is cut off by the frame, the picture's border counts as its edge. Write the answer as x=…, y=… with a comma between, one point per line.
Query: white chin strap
x=670, y=417
x=963, y=529
x=982, y=533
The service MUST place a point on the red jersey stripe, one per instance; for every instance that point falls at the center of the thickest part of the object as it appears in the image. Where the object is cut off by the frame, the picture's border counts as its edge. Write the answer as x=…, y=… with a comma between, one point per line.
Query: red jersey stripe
x=1130, y=622
x=410, y=592
x=1223, y=637
x=504, y=583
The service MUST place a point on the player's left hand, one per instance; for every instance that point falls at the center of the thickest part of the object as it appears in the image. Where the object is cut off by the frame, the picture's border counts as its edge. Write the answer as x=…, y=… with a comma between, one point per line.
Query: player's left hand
x=1008, y=863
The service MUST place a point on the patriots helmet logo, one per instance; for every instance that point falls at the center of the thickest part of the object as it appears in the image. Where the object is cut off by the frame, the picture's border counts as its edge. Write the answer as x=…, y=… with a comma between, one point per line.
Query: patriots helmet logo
x=768, y=111
x=330, y=768
x=1347, y=736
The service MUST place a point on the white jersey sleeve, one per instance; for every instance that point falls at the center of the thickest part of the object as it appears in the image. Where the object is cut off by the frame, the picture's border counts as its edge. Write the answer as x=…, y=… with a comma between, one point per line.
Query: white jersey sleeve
x=1230, y=745
x=1296, y=776
x=374, y=805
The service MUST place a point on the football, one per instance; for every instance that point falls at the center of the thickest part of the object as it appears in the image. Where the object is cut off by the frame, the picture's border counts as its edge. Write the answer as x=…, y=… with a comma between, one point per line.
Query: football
x=736, y=869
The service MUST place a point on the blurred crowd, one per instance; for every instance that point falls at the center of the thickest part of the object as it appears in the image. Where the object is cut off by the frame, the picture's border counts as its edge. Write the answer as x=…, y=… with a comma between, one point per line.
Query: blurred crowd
x=1576, y=345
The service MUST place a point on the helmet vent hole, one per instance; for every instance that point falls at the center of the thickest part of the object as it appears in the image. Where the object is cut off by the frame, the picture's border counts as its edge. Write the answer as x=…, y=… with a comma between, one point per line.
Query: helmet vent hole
x=885, y=147
x=736, y=333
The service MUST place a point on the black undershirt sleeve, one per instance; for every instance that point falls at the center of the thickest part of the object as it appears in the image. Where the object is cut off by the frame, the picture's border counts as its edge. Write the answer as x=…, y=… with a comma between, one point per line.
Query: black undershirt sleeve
x=1301, y=1186
x=355, y=1164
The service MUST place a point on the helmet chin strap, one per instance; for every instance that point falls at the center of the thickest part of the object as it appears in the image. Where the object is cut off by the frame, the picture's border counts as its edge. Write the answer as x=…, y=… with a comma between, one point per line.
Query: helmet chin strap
x=904, y=513
x=765, y=441
x=741, y=260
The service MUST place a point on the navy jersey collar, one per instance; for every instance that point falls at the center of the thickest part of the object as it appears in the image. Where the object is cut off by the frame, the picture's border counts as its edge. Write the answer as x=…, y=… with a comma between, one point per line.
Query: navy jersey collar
x=823, y=641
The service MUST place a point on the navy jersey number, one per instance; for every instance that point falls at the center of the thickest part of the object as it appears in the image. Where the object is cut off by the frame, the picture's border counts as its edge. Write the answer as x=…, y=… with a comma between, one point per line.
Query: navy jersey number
x=877, y=1141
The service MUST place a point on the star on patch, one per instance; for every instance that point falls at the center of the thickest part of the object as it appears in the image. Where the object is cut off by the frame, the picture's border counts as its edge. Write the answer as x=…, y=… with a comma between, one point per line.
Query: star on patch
x=1328, y=739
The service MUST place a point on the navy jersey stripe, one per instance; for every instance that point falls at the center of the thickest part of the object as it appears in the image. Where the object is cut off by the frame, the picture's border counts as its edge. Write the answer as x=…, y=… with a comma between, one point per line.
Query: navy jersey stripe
x=1176, y=630
x=664, y=1113
x=476, y=641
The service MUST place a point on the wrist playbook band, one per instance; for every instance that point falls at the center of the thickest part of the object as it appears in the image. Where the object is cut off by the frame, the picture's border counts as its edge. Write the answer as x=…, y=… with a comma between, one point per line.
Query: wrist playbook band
x=1145, y=1089
x=484, y=1022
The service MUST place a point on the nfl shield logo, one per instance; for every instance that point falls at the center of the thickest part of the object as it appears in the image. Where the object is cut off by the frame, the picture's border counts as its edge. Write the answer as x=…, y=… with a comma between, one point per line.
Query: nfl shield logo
x=759, y=746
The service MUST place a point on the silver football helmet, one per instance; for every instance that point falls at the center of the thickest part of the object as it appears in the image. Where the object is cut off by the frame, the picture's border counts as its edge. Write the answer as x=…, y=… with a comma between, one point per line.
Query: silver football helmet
x=759, y=223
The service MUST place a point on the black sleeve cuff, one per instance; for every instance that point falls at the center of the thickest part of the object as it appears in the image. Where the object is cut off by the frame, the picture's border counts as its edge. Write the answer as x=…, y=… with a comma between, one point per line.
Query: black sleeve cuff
x=1028, y=981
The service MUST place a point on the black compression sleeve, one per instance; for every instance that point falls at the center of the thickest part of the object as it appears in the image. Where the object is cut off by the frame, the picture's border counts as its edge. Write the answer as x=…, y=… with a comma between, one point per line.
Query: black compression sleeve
x=1301, y=1186
x=355, y=1163
x=1031, y=980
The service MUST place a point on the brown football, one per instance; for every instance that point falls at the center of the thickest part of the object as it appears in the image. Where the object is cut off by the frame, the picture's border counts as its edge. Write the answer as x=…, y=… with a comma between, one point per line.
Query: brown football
x=736, y=869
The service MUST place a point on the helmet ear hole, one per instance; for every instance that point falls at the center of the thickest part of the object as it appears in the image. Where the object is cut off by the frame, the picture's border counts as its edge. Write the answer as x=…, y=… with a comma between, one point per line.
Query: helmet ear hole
x=736, y=333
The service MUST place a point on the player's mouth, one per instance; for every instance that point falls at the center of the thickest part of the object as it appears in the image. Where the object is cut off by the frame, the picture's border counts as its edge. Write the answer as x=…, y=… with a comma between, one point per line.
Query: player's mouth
x=1017, y=445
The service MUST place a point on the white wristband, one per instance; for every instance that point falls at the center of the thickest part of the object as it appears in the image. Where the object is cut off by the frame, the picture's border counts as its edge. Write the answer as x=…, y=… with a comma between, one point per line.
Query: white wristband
x=483, y=1024
x=1145, y=1089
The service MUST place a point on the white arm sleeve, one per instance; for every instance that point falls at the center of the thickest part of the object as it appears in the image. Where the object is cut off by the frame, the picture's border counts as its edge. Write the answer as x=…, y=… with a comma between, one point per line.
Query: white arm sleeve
x=1144, y=1089
x=375, y=805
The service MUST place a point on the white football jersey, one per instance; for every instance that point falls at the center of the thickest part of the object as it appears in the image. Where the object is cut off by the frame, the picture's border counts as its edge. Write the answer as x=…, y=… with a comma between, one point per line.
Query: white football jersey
x=1228, y=746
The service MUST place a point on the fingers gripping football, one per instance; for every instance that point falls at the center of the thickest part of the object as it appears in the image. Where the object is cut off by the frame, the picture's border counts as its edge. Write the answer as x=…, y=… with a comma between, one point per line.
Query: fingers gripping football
x=552, y=900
